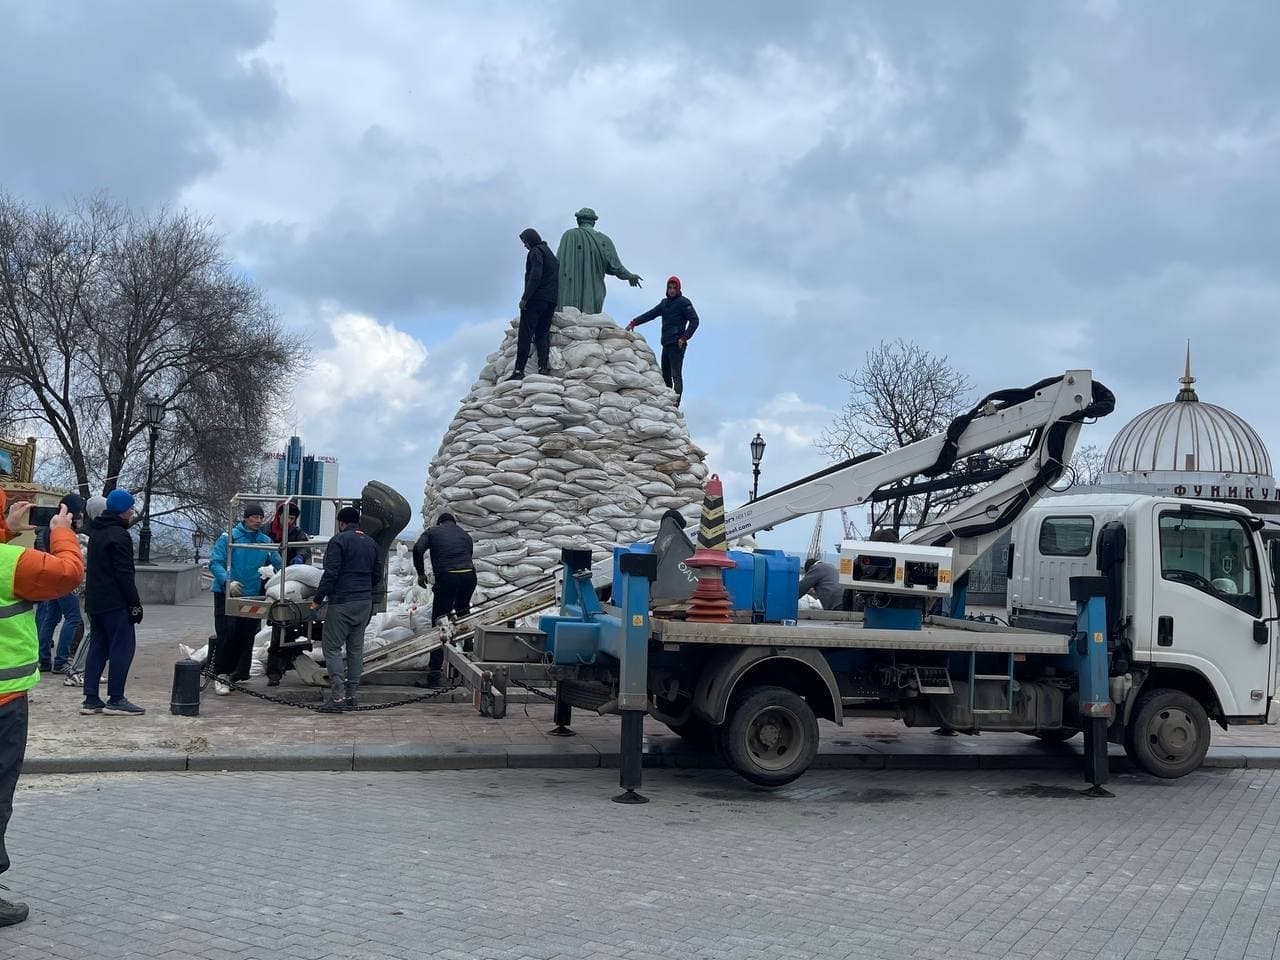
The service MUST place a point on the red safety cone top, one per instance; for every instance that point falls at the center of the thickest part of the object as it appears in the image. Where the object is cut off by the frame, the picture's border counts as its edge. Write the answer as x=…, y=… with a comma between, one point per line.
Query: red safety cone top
x=713, y=547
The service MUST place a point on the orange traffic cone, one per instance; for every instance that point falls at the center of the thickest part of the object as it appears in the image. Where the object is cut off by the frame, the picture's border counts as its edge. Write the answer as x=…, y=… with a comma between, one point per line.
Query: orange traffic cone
x=710, y=601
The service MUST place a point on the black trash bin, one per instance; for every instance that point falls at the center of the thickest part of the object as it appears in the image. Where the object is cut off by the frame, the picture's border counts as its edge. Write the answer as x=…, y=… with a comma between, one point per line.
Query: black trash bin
x=184, y=701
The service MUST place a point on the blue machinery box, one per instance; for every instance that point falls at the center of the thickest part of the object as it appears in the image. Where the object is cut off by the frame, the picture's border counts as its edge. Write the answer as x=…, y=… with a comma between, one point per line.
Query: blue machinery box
x=764, y=582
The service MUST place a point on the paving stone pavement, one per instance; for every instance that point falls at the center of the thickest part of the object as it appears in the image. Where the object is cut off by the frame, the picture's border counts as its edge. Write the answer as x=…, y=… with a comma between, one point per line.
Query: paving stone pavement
x=539, y=864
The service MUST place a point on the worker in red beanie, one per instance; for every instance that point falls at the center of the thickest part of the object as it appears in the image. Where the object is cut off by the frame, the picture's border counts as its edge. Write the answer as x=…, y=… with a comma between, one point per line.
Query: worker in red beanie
x=679, y=321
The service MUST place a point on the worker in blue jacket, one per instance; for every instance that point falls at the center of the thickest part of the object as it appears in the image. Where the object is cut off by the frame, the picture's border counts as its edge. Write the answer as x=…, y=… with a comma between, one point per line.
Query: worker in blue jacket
x=679, y=320
x=239, y=577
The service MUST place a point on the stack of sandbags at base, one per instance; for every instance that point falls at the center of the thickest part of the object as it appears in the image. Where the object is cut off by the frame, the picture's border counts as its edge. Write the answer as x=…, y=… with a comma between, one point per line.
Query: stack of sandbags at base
x=591, y=455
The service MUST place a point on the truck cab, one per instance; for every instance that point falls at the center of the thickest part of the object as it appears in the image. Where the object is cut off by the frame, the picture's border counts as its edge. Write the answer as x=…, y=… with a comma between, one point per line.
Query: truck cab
x=1193, y=598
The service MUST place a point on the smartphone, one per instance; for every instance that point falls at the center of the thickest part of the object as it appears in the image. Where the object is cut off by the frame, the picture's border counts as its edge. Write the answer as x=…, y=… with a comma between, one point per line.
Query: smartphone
x=40, y=516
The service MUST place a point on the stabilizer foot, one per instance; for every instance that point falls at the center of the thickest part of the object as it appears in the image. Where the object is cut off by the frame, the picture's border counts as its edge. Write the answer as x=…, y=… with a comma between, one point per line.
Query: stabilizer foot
x=561, y=732
x=1097, y=791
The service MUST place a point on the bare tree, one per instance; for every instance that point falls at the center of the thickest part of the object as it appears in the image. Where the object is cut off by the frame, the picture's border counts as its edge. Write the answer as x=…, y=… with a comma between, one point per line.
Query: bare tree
x=1086, y=465
x=901, y=394
x=101, y=308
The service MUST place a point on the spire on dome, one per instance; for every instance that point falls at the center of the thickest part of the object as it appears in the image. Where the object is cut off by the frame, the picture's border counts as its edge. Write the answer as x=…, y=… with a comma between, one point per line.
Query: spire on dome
x=1188, y=393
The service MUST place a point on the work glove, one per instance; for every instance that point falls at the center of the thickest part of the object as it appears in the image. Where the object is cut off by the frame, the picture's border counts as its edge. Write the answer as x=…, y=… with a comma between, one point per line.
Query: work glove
x=422, y=580
x=135, y=615
x=684, y=342
x=631, y=325
x=234, y=589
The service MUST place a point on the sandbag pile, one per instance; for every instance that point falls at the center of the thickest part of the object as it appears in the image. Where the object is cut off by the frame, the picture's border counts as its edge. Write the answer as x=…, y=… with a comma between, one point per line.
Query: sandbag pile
x=592, y=455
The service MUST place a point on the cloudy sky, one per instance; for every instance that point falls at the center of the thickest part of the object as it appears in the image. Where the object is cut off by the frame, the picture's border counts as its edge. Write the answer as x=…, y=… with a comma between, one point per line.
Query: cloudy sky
x=1024, y=187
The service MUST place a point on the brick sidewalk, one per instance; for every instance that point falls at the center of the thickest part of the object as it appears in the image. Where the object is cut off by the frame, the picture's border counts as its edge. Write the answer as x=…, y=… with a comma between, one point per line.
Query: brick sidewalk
x=238, y=722
x=538, y=864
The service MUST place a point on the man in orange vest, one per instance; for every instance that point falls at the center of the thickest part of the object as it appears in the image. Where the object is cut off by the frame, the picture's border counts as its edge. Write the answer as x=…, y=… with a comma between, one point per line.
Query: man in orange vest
x=27, y=576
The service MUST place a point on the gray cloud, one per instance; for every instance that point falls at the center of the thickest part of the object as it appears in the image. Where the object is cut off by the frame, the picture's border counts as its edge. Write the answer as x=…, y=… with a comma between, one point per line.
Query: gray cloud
x=440, y=248
x=129, y=98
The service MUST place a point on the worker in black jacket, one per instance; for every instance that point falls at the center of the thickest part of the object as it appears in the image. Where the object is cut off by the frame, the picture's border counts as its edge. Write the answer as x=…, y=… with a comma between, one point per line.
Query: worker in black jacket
x=350, y=572
x=537, y=303
x=114, y=607
x=452, y=569
x=679, y=321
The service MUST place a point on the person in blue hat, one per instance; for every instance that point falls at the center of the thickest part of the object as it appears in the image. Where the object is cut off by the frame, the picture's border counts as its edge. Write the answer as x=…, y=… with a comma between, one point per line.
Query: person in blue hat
x=114, y=607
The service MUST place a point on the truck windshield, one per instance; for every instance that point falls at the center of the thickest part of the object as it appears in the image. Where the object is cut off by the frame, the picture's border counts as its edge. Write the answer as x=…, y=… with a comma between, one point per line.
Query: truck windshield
x=1213, y=554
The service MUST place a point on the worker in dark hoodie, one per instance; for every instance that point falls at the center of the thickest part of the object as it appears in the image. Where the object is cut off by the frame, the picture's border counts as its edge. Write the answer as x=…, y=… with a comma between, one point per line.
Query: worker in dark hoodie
x=537, y=303
x=679, y=321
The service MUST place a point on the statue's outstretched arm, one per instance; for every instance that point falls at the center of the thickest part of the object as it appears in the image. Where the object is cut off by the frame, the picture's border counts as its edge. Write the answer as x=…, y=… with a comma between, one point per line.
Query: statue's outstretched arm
x=613, y=266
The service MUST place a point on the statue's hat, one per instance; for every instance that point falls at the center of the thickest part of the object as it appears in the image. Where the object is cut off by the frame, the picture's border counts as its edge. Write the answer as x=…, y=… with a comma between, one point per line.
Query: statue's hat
x=586, y=213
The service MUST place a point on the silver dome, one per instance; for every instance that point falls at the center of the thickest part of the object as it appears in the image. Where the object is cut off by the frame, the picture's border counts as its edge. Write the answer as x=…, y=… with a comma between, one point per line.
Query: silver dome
x=1187, y=436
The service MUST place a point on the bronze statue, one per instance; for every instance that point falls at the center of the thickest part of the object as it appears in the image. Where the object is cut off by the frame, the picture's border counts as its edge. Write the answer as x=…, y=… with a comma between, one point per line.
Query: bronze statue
x=586, y=256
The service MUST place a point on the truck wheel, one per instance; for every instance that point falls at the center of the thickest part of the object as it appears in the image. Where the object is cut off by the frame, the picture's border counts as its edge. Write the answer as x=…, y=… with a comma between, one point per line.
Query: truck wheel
x=694, y=731
x=1169, y=733
x=770, y=736
x=1061, y=735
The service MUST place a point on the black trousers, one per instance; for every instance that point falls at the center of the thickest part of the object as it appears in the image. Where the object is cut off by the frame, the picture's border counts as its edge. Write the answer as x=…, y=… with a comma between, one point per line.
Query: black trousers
x=219, y=625
x=13, y=747
x=235, y=647
x=451, y=593
x=673, y=368
x=111, y=640
x=535, y=329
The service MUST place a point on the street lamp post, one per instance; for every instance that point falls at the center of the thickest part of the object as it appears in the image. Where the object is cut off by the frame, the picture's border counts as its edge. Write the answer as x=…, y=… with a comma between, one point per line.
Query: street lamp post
x=757, y=454
x=197, y=541
x=155, y=416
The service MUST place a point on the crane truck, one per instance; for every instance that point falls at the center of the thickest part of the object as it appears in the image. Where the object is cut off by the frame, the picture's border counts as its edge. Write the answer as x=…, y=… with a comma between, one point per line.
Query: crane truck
x=1147, y=645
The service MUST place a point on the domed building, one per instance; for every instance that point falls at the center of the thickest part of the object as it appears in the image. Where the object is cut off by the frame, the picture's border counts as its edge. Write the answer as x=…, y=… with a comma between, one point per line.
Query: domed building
x=1192, y=449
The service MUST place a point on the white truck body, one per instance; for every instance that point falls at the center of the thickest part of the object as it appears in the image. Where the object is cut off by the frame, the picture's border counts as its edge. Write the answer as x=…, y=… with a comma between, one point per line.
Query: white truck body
x=1199, y=595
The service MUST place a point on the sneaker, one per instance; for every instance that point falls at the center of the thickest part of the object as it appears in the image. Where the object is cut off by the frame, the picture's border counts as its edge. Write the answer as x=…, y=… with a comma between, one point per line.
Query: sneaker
x=72, y=679
x=122, y=708
x=544, y=371
x=222, y=685
x=90, y=707
x=11, y=913
x=45, y=666
x=273, y=681
x=516, y=375
x=332, y=706
x=349, y=703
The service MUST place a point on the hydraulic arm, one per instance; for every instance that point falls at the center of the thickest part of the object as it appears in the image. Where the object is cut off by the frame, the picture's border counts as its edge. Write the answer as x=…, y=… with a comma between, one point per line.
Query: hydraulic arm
x=1049, y=414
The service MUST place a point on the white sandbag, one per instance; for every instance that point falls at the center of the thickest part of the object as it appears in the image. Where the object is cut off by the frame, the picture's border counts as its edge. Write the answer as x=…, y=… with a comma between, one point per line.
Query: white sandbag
x=299, y=573
x=395, y=635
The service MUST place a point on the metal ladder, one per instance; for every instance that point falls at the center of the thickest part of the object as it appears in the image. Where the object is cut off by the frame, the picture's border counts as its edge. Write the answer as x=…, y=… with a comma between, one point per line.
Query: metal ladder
x=974, y=677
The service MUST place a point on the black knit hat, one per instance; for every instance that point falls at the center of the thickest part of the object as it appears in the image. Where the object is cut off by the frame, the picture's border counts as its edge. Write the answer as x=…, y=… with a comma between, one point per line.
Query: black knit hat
x=74, y=503
x=253, y=509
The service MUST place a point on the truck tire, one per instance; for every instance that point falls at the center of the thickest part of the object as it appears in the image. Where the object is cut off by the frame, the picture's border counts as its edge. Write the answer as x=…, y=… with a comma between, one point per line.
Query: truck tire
x=1168, y=734
x=770, y=736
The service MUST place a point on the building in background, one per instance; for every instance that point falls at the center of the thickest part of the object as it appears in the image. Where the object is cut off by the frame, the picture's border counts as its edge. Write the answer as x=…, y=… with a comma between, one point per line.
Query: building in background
x=300, y=473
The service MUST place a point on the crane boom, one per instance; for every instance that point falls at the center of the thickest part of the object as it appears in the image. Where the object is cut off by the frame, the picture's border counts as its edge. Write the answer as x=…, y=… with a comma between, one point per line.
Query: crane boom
x=1049, y=413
